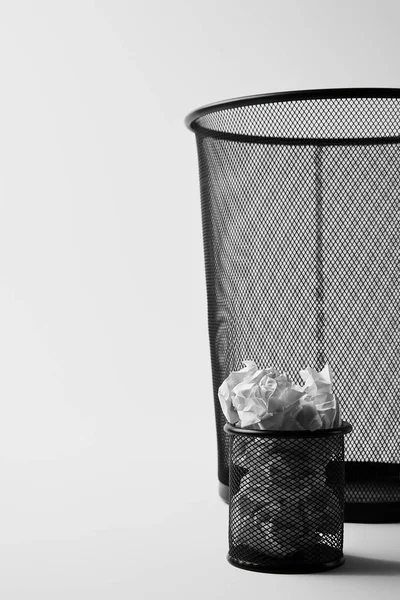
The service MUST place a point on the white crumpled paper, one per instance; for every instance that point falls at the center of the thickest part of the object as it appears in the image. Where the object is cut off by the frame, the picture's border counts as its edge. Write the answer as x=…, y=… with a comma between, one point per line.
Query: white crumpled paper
x=266, y=399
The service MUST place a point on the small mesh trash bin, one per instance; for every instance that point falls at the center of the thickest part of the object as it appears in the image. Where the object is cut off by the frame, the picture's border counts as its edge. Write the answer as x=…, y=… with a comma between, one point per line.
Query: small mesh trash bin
x=300, y=208
x=286, y=505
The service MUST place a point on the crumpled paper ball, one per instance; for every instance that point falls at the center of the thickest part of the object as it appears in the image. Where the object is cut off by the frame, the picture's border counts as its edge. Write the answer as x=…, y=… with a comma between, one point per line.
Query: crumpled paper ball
x=266, y=399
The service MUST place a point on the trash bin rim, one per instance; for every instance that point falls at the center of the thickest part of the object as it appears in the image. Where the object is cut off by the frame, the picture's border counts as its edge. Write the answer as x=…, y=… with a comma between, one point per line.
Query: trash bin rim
x=191, y=120
x=281, y=433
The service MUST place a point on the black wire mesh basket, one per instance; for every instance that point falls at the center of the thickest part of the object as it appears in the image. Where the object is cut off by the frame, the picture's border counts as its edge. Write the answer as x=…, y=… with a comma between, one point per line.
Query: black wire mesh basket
x=286, y=504
x=300, y=210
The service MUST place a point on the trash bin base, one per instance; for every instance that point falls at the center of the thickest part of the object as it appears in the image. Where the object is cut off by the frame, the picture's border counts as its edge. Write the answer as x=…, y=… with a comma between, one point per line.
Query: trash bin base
x=378, y=512
x=286, y=567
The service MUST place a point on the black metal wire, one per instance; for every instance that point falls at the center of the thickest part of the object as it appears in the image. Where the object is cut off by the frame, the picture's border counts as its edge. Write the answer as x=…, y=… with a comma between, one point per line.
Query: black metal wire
x=194, y=119
x=286, y=500
x=300, y=207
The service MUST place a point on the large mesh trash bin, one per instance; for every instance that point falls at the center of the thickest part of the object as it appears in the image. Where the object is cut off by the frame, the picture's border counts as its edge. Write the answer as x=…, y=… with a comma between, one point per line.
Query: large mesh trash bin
x=300, y=208
x=286, y=503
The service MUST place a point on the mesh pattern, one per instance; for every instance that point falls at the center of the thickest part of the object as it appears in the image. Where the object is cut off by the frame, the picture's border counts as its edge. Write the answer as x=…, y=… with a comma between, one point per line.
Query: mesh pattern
x=286, y=502
x=315, y=118
x=301, y=248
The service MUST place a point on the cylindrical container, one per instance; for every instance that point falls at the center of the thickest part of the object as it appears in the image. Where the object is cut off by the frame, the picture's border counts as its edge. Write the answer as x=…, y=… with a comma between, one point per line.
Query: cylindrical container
x=300, y=207
x=286, y=504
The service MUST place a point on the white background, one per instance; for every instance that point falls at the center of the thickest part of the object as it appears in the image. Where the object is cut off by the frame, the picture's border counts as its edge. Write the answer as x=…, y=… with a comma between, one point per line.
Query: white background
x=107, y=436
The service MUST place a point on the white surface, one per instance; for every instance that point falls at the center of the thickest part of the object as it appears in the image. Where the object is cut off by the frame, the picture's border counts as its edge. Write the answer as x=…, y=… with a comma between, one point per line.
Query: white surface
x=107, y=436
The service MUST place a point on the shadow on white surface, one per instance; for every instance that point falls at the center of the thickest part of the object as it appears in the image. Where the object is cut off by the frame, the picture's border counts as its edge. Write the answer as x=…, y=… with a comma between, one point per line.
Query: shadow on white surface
x=362, y=565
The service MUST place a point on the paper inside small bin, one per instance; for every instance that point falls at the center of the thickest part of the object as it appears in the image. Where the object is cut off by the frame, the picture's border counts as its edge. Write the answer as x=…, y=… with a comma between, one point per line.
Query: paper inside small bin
x=266, y=399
